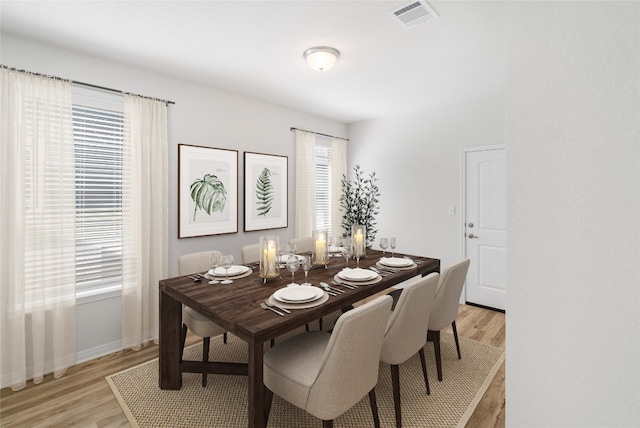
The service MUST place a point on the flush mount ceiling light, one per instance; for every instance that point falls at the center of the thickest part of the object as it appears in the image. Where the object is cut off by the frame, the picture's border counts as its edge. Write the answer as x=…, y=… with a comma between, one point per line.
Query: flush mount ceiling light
x=321, y=58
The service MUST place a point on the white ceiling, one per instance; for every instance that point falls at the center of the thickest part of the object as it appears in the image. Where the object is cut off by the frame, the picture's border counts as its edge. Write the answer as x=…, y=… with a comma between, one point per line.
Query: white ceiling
x=254, y=48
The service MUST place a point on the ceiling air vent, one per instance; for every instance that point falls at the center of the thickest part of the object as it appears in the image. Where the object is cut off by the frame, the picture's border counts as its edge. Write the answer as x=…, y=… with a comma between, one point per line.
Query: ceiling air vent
x=414, y=13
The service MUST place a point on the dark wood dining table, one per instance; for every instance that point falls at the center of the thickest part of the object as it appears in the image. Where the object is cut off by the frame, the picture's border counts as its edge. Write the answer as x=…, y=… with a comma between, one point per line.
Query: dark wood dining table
x=236, y=307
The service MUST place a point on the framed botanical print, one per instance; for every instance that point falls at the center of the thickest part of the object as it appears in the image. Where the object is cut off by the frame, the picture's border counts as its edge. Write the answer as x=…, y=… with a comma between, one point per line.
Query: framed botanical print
x=265, y=191
x=207, y=191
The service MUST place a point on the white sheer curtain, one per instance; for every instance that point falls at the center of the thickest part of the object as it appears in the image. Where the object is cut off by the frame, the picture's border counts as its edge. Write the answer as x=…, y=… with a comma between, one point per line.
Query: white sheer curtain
x=37, y=229
x=305, y=183
x=145, y=217
x=338, y=169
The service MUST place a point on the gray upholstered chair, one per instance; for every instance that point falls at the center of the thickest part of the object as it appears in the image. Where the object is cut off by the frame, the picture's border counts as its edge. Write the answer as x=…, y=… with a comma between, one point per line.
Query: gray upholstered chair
x=327, y=374
x=406, y=330
x=192, y=320
x=303, y=245
x=445, y=307
x=250, y=254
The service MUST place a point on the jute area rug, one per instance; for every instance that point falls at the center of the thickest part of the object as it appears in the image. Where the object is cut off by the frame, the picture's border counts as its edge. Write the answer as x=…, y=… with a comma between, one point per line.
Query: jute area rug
x=223, y=403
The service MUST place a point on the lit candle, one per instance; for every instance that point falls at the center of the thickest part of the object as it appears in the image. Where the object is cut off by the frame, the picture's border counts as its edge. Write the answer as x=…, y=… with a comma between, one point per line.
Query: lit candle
x=321, y=249
x=270, y=258
x=358, y=239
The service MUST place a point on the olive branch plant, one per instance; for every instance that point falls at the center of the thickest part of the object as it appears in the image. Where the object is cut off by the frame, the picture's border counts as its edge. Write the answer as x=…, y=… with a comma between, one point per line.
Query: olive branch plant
x=359, y=203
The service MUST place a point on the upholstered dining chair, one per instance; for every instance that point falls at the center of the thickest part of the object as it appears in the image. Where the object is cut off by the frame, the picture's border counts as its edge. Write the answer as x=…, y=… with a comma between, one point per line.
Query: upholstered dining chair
x=303, y=245
x=250, y=254
x=445, y=307
x=328, y=373
x=192, y=320
x=406, y=330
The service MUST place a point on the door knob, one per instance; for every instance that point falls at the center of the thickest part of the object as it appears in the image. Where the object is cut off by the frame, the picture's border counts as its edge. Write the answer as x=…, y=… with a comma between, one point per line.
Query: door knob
x=470, y=225
x=472, y=236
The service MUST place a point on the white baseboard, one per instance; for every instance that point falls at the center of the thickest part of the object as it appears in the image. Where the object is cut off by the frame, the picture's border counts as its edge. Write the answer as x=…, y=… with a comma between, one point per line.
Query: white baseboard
x=98, y=351
x=81, y=357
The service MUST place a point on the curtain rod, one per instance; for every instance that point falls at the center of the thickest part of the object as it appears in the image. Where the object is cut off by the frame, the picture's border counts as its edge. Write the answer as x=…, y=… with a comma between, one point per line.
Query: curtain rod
x=104, y=88
x=317, y=133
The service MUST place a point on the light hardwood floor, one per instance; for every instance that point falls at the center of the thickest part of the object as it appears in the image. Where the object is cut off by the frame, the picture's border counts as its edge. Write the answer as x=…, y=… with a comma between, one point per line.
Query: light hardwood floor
x=82, y=398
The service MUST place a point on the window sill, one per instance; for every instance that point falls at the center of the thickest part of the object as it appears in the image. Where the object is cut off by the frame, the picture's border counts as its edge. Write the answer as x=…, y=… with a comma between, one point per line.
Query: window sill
x=97, y=295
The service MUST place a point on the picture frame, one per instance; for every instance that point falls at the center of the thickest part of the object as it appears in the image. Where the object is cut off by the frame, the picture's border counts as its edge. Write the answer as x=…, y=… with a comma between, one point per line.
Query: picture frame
x=266, y=201
x=207, y=191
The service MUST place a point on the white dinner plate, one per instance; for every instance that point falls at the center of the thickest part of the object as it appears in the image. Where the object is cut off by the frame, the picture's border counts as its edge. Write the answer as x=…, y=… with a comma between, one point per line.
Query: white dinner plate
x=396, y=261
x=357, y=274
x=233, y=270
x=303, y=294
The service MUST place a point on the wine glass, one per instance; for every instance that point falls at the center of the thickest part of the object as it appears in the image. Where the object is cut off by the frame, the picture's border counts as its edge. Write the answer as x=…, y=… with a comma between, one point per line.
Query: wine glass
x=392, y=244
x=306, y=266
x=334, y=243
x=214, y=261
x=292, y=266
x=292, y=249
x=346, y=252
x=358, y=254
x=226, y=261
x=384, y=244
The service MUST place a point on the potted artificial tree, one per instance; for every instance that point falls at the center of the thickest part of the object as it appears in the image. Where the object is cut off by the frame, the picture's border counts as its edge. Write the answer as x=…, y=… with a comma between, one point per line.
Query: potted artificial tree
x=359, y=203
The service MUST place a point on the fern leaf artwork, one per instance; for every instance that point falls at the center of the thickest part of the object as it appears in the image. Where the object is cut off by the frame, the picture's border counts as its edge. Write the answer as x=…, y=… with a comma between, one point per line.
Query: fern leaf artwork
x=264, y=192
x=209, y=194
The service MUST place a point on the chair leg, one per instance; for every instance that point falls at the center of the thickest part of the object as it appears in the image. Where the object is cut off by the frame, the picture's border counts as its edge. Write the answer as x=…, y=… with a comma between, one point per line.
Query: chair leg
x=434, y=336
x=424, y=370
x=224, y=338
x=268, y=398
x=327, y=424
x=183, y=338
x=455, y=336
x=320, y=323
x=374, y=408
x=395, y=382
x=306, y=327
x=272, y=343
x=205, y=357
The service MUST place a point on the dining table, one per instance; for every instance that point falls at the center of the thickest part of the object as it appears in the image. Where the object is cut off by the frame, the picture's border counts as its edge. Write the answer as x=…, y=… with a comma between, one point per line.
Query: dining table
x=237, y=308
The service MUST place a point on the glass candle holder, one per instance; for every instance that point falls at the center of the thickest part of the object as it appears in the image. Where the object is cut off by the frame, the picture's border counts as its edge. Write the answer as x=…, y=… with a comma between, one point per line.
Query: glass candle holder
x=269, y=249
x=359, y=239
x=320, y=248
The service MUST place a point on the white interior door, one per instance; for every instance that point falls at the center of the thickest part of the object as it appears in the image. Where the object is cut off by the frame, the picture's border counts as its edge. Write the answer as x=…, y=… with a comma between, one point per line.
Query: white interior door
x=485, y=227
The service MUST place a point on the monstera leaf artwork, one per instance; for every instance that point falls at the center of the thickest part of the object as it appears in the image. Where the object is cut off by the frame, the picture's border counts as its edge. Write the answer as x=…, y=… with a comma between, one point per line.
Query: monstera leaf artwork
x=208, y=179
x=264, y=192
x=209, y=194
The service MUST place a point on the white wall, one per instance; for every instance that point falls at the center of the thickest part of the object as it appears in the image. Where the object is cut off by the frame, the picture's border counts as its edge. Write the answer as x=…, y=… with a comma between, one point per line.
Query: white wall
x=418, y=159
x=571, y=123
x=201, y=116
x=573, y=162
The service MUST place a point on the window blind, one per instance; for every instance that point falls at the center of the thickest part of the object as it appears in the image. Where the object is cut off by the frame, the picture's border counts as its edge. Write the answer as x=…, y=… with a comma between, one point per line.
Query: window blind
x=98, y=139
x=323, y=183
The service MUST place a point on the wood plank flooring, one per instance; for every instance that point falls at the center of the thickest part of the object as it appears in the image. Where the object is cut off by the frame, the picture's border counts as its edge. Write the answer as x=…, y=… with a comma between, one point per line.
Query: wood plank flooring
x=82, y=398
